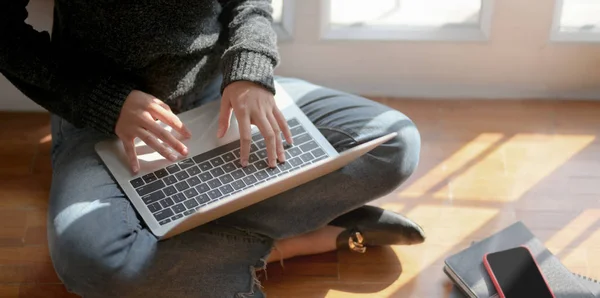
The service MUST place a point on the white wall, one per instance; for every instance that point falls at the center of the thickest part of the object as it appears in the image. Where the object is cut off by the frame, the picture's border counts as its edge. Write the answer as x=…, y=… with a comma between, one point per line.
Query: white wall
x=518, y=61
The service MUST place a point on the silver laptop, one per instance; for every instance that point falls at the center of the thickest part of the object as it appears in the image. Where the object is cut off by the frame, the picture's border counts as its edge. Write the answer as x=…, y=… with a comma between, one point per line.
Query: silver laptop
x=173, y=197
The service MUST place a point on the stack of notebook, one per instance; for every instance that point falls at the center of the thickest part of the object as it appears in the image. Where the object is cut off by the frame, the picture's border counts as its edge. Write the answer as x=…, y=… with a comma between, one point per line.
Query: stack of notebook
x=470, y=278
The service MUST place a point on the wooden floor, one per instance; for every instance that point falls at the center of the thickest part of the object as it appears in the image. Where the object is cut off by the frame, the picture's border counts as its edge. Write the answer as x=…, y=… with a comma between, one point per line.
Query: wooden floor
x=484, y=165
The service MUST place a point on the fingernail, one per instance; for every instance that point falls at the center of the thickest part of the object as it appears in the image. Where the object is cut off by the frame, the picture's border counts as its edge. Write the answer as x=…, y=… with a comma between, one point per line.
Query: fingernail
x=244, y=162
x=185, y=150
x=220, y=132
x=172, y=157
x=135, y=169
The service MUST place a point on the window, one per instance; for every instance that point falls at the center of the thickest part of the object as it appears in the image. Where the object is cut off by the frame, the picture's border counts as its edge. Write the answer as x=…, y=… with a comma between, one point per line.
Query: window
x=576, y=20
x=283, y=18
x=407, y=19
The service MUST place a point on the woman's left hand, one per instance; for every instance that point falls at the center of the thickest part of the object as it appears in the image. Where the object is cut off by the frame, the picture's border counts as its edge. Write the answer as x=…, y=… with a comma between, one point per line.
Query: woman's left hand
x=253, y=104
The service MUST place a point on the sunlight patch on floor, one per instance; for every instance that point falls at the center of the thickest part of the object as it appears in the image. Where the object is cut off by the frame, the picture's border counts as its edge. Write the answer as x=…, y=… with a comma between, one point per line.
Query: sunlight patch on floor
x=514, y=167
x=445, y=169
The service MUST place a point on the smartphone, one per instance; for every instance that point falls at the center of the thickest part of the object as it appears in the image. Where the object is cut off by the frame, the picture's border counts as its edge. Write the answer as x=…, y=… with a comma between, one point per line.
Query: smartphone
x=516, y=274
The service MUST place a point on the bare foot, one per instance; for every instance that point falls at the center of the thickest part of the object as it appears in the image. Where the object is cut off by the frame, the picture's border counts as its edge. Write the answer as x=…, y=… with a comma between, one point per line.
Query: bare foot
x=319, y=241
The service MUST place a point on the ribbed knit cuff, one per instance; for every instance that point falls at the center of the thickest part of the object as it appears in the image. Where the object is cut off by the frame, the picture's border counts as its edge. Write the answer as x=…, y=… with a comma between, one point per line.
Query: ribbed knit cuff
x=248, y=66
x=104, y=104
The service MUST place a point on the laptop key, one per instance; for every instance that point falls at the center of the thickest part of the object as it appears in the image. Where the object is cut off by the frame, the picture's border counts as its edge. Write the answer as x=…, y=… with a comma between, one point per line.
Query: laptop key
x=228, y=157
x=284, y=166
x=178, y=198
x=137, y=182
x=239, y=184
x=238, y=174
x=153, y=197
x=181, y=186
x=262, y=154
x=296, y=161
x=261, y=165
x=203, y=199
x=154, y=207
x=293, y=122
x=202, y=188
x=191, y=203
x=226, y=189
x=318, y=152
x=226, y=179
x=257, y=137
x=173, y=169
x=252, y=158
x=273, y=171
x=236, y=152
x=205, y=166
x=168, y=202
x=214, y=194
x=170, y=190
x=295, y=151
x=182, y=175
x=261, y=144
x=261, y=175
x=249, y=170
x=191, y=192
x=214, y=183
x=319, y=158
x=253, y=148
x=148, y=188
x=176, y=217
x=178, y=208
x=229, y=167
x=164, y=222
x=189, y=212
x=186, y=163
x=163, y=214
x=170, y=180
x=161, y=173
x=149, y=178
x=298, y=130
x=193, y=181
x=301, y=139
x=217, y=161
x=193, y=171
x=306, y=157
x=306, y=147
x=237, y=164
x=249, y=180
x=216, y=172
x=205, y=176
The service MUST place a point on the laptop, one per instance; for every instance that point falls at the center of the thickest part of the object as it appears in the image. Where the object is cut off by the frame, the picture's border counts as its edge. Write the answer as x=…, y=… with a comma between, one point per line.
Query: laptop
x=173, y=197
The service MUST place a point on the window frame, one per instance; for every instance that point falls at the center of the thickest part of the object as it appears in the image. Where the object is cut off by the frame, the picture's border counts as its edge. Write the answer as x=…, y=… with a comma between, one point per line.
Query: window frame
x=408, y=33
x=577, y=37
x=285, y=28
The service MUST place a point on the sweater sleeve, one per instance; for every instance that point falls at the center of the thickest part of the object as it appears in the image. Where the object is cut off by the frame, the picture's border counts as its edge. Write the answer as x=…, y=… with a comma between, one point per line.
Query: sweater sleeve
x=251, y=54
x=56, y=79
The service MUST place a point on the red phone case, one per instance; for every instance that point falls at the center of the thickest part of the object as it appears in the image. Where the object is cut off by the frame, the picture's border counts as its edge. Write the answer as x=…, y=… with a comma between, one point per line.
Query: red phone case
x=495, y=281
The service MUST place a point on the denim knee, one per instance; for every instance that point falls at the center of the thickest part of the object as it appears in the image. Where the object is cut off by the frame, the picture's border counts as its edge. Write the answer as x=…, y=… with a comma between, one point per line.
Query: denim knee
x=401, y=153
x=96, y=264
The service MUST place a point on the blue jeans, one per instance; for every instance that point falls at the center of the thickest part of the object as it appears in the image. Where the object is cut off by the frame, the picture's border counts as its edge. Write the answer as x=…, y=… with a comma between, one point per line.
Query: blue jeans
x=100, y=247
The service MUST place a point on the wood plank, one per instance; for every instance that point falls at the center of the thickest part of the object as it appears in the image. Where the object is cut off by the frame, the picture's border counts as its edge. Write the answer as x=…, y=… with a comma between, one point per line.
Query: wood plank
x=44, y=291
x=28, y=273
x=36, y=236
x=9, y=291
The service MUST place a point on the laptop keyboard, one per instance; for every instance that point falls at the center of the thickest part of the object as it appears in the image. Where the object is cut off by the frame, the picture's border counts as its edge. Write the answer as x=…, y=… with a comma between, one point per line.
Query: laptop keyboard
x=180, y=189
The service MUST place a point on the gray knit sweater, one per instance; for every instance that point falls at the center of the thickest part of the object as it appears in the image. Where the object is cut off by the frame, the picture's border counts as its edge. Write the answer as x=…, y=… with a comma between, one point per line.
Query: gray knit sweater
x=101, y=50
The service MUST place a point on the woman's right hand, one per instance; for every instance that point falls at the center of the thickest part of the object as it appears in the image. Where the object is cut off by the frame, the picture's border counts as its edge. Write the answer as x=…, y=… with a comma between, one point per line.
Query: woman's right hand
x=137, y=120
